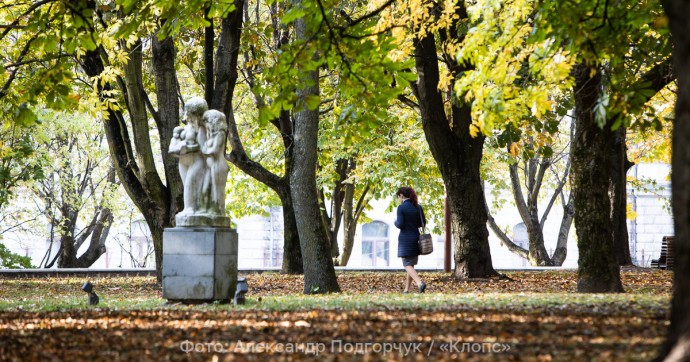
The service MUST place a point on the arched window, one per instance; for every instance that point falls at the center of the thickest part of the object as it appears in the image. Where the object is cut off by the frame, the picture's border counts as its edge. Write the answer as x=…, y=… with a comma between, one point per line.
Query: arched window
x=520, y=235
x=375, y=244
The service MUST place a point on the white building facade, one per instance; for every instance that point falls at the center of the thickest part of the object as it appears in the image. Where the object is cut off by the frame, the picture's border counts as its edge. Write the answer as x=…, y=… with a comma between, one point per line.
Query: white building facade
x=376, y=242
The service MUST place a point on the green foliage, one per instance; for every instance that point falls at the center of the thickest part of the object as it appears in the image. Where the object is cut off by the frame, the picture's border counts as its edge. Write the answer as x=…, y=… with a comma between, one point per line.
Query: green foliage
x=359, y=119
x=73, y=152
x=392, y=155
x=173, y=16
x=512, y=145
x=246, y=196
x=513, y=81
x=10, y=260
x=625, y=40
x=362, y=77
x=38, y=42
x=17, y=162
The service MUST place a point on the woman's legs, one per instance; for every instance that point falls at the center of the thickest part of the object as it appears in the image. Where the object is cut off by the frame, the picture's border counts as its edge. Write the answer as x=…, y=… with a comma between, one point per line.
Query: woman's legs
x=408, y=264
x=411, y=273
x=408, y=283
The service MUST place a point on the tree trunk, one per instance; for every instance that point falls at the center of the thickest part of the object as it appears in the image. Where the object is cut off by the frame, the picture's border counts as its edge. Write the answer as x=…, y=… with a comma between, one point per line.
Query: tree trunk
x=319, y=273
x=68, y=253
x=528, y=209
x=155, y=211
x=342, y=202
x=68, y=196
x=658, y=77
x=338, y=201
x=468, y=218
x=135, y=167
x=598, y=270
x=225, y=80
x=292, y=256
x=458, y=155
x=677, y=346
x=169, y=199
x=98, y=237
x=167, y=117
x=97, y=233
x=351, y=214
x=561, y=251
x=333, y=221
x=619, y=197
x=349, y=230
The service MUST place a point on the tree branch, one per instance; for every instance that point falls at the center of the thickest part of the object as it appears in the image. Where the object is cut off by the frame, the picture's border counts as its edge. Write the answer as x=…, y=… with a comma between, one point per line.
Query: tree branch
x=13, y=74
x=559, y=189
x=543, y=165
x=505, y=240
x=517, y=193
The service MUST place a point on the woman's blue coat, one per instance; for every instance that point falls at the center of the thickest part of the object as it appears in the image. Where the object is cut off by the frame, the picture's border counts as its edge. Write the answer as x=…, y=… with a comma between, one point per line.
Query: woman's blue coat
x=409, y=220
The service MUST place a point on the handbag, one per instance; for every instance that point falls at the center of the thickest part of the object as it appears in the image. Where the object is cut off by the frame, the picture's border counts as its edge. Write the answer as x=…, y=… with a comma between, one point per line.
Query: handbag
x=426, y=244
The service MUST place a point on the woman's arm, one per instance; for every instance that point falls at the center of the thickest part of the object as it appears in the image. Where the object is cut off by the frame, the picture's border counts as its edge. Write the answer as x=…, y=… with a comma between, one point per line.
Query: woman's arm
x=400, y=219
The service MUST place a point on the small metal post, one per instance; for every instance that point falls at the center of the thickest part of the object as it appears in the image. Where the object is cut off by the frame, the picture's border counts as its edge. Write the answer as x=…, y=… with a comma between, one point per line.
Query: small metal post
x=241, y=290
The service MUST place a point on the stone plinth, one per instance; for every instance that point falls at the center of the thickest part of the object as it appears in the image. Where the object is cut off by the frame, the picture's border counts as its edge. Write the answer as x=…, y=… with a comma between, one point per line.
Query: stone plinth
x=199, y=264
x=201, y=220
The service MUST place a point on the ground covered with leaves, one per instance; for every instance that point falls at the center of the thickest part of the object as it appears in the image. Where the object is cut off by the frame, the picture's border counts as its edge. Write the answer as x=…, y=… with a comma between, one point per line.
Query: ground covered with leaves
x=535, y=316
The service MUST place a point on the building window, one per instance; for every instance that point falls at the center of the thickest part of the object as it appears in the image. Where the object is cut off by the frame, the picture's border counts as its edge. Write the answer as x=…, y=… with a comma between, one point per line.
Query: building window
x=375, y=244
x=520, y=236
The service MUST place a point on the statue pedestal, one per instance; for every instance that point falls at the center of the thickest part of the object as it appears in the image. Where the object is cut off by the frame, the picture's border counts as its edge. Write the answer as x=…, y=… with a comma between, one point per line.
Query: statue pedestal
x=203, y=221
x=199, y=264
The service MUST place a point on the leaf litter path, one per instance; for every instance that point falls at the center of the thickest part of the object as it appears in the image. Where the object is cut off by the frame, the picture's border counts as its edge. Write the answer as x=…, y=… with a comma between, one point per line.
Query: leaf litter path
x=498, y=322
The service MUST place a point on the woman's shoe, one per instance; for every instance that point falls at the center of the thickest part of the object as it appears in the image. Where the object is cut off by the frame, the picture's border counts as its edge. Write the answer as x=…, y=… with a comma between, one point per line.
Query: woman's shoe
x=406, y=291
x=422, y=287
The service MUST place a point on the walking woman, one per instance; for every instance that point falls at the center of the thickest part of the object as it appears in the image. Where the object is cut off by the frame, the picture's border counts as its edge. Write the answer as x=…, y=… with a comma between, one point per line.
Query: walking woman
x=410, y=218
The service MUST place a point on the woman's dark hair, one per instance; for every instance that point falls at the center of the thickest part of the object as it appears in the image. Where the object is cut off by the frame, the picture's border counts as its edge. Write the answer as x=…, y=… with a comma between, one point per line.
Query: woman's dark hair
x=409, y=193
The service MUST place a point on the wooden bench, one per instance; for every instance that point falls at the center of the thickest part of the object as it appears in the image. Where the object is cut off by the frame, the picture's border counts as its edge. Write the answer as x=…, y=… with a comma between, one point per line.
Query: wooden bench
x=665, y=260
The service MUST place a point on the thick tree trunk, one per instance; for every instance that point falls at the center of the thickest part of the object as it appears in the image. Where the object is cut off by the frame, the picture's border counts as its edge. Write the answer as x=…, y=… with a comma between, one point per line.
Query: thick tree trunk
x=468, y=218
x=155, y=211
x=319, y=273
x=167, y=117
x=96, y=233
x=598, y=270
x=458, y=155
x=619, y=197
x=168, y=198
x=677, y=346
x=68, y=254
x=226, y=61
x=657, y=78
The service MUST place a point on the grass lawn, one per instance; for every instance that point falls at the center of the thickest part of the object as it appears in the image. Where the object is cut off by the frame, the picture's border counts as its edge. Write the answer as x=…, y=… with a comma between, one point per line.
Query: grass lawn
x=537, y=316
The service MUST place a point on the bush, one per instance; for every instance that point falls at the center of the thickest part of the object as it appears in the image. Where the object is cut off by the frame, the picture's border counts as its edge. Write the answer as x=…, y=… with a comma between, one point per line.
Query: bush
x=10, y=260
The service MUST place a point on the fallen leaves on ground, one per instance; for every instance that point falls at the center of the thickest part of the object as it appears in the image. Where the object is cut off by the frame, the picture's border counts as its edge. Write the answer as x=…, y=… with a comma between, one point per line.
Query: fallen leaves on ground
x=536, y=317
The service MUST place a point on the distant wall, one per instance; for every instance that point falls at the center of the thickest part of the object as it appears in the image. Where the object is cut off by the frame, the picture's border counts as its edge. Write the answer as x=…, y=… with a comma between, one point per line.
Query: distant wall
x=261, y=237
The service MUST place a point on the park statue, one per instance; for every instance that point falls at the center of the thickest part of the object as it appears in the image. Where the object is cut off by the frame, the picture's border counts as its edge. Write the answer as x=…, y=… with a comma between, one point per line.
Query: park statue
x=200, y=146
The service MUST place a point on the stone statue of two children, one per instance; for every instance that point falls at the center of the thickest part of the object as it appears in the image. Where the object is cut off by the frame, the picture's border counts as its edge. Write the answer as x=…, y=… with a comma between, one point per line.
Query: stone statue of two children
x=200, y=146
